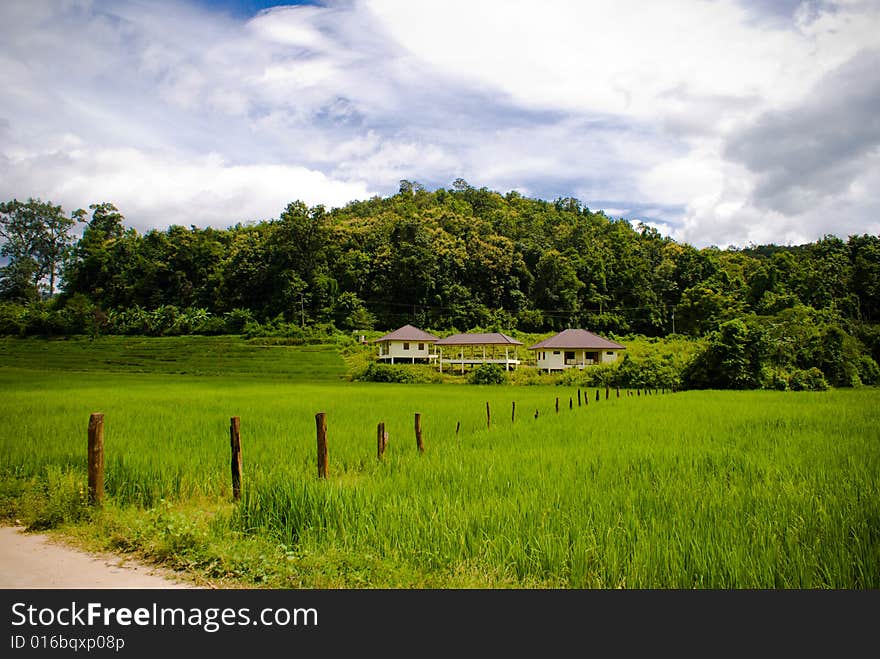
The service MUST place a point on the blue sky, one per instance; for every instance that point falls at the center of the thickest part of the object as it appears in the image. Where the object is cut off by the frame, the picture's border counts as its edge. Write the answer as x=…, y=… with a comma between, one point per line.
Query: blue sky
x=247, y=8
x=722, y=122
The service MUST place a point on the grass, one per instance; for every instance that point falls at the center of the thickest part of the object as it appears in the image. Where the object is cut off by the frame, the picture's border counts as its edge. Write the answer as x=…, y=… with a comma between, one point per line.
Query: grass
x=220, y=356
x=687, y=490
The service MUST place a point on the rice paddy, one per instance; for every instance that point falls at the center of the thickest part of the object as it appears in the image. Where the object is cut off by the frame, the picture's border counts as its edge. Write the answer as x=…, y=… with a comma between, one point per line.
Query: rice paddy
x=688, y=490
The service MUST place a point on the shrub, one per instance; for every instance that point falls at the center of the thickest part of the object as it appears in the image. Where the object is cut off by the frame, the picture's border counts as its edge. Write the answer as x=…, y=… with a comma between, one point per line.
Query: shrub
x=237, y=319
x=869, y=372
x=53, y=498
x=810, y=379
x=401, y=373
x=487, y=374
x=600, y=375
x=12, y=319
x=773, y=377
x=530, y=376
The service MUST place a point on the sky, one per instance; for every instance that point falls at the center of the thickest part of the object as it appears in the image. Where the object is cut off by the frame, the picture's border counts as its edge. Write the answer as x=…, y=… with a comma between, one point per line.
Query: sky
x=722, y=122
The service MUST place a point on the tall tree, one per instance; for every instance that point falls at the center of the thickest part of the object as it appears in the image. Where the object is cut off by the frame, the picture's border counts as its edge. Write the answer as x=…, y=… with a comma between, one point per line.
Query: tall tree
x=97, y=263
x=36, y=240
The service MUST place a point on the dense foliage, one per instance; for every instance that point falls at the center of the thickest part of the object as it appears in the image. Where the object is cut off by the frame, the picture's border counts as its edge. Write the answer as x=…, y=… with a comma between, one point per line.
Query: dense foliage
x=455, y=259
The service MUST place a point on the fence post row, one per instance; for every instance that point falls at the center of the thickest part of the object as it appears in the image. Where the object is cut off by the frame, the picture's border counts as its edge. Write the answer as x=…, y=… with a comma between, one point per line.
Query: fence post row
x=96, y=459
x=96, y=441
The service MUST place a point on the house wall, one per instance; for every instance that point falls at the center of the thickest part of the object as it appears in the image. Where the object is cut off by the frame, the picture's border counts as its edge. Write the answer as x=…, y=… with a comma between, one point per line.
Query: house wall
x=395, y=349
x=547, y=360
x=607, y=358
x=554, y=360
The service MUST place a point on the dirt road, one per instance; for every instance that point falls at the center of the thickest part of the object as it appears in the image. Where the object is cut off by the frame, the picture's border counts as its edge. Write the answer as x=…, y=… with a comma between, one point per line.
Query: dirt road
x=29, y=560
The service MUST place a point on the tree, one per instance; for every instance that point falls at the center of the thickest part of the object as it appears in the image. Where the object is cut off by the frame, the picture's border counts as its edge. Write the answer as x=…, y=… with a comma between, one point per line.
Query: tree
x=460, y=185
x=732, y=360
x=865, y=257
x=36, y=240
x=17, y=281
x=102, y=263
x=556, y=287
x=410, y=187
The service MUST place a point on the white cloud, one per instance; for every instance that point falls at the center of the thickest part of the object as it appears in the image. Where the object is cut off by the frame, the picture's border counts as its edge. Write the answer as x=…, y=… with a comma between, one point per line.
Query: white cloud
x=689, y=114
x=616, y=57
x=291, y=26
x=159, y=189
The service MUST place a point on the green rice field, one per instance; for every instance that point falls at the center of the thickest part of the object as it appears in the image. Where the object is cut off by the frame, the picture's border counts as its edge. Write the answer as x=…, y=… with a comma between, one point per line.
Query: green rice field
x=684, y=490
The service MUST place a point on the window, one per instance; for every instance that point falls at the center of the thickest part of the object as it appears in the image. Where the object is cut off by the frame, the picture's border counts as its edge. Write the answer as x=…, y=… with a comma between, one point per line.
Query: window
x=406, y=346
x=421, y=346
x=555, y=352
x=610, y=353
x=569, y=355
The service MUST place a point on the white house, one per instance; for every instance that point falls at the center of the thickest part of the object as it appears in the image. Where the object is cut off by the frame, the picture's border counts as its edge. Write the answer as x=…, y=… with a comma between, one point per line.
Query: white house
x=575, y=348
x=472, y=349
x=407, y=344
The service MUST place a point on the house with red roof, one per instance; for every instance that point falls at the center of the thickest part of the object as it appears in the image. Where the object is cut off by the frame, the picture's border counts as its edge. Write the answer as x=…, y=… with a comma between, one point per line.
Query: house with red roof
x=406, y=344
x=468, y=350
x=575, y=348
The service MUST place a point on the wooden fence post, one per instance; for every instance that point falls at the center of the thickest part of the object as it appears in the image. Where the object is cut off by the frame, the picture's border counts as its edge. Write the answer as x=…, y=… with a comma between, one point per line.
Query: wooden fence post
x=321, y=431
x=513, y=411
x=96, y=459
x=557, y=404
x=607, y=393
x=618, y=392
x=380, y=440
x=235, y=446
x=570, y=403
x=579, y=397
x=418, y=428
x=597, y=394
x=488, y=417
x=457, y=427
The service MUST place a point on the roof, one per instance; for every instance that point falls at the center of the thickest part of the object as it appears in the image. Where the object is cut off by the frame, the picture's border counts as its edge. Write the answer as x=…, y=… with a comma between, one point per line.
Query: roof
x=491, y=338
x=576, y=338
x=407, y=333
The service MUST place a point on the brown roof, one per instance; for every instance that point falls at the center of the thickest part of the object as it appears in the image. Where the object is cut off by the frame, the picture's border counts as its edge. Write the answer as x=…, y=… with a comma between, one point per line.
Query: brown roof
x=576, y=338
x=407, y=333
x=491, y=338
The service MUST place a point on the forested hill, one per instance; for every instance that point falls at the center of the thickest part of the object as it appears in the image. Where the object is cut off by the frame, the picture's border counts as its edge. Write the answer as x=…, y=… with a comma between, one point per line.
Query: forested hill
x=459, y=258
